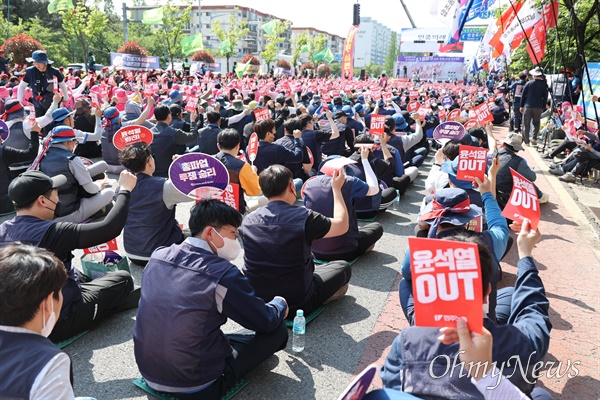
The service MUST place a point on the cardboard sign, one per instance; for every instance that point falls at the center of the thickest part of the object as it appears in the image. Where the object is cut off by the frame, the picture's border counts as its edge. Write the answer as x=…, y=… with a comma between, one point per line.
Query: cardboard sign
x=446, y=278
x=132, y=134
x=377, y=125
x=447, y=101
x=4, y=131
x=253, y=147
x=523, y=202
x=310, y=156
x=449, y=130
x=413, y=106
x=471, y=163
x=335, y=163
x=55, y=84
x=359, y=386
x=193, y=171
x=261, y=114
x=476, y=224
x=453, y=115
x=192, y=104
x=483, y=114
x=108, y=246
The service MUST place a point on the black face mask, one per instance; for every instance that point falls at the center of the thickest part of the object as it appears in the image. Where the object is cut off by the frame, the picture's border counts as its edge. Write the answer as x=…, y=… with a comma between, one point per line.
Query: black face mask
x=56, y=208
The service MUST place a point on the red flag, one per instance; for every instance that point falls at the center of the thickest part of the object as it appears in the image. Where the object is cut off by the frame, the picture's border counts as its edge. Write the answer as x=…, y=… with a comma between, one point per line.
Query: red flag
x=504, y=22
x=537, y=43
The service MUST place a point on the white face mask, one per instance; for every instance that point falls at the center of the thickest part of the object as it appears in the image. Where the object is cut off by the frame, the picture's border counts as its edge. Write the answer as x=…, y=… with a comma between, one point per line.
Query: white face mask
x=230, y=250
x=48, y=325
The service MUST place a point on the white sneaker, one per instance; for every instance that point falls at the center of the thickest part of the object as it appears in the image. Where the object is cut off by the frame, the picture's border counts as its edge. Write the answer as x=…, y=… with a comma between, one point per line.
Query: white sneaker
x=568, y=177
x=545, y=198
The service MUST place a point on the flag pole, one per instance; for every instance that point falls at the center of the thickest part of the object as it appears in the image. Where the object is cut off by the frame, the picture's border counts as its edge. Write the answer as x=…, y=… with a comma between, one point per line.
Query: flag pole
x=537, y=62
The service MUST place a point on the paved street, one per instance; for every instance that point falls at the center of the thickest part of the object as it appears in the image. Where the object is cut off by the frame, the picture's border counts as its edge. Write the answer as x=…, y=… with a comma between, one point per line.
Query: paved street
x=358, y=330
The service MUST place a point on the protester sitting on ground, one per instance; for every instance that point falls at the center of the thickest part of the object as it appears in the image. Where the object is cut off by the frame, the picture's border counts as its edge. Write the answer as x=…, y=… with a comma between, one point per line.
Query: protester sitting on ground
x=523, y=332
x=151, y=220
x=357, y=127
x=10, y=156
x=133, y=110
x=277, y=240
x=35, y=197
x=450, y=167
x=315, y=138
x=30, y=297
x=337, y=145
x=63, y=117
x=167, y=139
x=507, y=154
x=318, y=197
x=112, y=123
x=192, y=285
x=207, y=136
x=303, y=169
x=91, y=124
x=368, y=207
x=499, y=112
x=581, y=159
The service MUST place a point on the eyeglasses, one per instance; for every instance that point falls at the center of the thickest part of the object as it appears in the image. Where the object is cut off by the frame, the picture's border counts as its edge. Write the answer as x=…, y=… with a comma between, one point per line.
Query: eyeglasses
x=234, y=232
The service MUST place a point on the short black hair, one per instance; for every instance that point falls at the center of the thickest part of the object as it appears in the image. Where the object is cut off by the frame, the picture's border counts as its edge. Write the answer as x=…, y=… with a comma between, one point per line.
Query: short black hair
x=161, y=112
x=451, y=149
x=228, y=139
x=485, y=257
x=291, y=125
x=364, y=138
x=275, y=180
x=263, y=127
x=213, y=117
x=176, y=110
x=213, y=213
x=304, y=120
x=135, y=156
x=28, y=275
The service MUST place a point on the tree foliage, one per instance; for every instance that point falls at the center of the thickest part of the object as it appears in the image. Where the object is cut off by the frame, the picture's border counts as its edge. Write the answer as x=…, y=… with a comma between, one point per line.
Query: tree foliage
x=323, y=71
x=204, y=56
x=316, y=44
x=170, y=32
x=86, y=23
x=271, y=50
x=392, y=56
x=285, y=64
x=21, y=47
x=297, y=44
x=238, y=29
x=253, y=60
x=132, y=48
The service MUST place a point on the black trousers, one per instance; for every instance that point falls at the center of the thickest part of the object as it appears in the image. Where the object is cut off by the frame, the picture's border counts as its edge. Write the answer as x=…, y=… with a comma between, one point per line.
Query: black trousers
x=566, y=144
x=387, y=196
x=401, y=183
x=249, y=350
x=369, y=235
x=100, y=298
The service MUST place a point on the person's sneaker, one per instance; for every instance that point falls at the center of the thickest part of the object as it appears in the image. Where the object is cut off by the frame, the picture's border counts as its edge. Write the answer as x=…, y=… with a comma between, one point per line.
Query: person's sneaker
x=533, y=142
x=547, y=156
x=338, y=295
x=558, y=171
x=568, y=177
x=545, y=198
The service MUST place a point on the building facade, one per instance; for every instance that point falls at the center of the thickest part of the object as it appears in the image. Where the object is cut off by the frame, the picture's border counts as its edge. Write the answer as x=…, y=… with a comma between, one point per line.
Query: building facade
x=372, y=43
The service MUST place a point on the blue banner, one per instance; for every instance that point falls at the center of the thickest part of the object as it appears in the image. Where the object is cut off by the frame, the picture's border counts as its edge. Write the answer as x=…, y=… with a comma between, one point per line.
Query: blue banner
x=130, y=61
x=594, y=68
x=479, y=9
x=196, y=66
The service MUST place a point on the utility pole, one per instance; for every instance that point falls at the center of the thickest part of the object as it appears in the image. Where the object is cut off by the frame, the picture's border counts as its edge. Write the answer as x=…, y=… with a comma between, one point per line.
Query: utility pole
x=408, y=14
x=125, y=30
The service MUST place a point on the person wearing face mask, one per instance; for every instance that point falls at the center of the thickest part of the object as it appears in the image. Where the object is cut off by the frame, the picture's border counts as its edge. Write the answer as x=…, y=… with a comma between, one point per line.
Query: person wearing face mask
x=35, y=197
x=192, y=288
x=81, y=197
x=32, y=366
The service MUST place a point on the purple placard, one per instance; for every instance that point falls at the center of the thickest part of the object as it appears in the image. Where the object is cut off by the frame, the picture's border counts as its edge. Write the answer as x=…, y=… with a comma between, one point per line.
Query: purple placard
x=430, y=59
x=4, y=131
x=447, y=101
x=359, y=386
x=449, y=130
x=195, y=170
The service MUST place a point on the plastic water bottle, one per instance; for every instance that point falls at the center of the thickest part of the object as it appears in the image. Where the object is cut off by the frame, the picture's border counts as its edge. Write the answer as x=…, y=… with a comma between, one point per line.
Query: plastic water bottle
x=299, y=331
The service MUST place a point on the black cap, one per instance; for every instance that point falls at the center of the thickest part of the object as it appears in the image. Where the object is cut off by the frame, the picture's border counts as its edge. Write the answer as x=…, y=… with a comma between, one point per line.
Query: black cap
x=28, y=186
x=339, y=114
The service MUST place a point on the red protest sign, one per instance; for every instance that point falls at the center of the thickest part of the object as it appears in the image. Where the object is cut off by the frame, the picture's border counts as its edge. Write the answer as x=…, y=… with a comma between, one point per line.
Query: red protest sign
x=130, y=135
x=423, y=111
x=483, y=114
x=387, y=96
x=108, y=246
x=326, y=97
x=453, y=115
x=376, y=94
x=442, y=114
x=242, y=156
x=231, y=196
x=192, y=104
x=94, y=100
x=413, y=94
x=476, y=224
x=446, y=278
x=55, y=84
x=310, y=156
x=71, y=82
x=413, y=106
x=261, y=114
x=471, y=163
x=523, y=202
x=377, y=125
x=253, y=147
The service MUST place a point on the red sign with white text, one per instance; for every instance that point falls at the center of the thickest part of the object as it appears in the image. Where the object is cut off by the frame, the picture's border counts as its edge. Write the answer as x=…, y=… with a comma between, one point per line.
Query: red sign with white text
x=130, y=135
x=523, y=202
x=453, y=115
x=192, y=104
x=446, y=278
x=261, y=114
x=442, y=114
x=310, y=156
x=413, y=94
x=471, y=163
x=483, y=114
x=387, y=96
x=55, y=84
x=413, y=106
x=253, y=147
x=108, y=246
x=377, y=125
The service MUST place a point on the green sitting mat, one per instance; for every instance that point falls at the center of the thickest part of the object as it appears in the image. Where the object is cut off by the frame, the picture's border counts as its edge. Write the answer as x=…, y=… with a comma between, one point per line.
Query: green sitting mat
x=68, y=341
x=372, y=219
x=309, y=318
x=323, y=262
x=141, y=383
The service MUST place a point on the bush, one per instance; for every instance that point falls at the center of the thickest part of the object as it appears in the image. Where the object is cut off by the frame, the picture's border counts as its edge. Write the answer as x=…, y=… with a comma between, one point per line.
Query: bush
x=253, y=60
x=323, y=70
x=132, y=48
x=306, y=65
x=284, y=64
x=21, y=46
x=204, y=56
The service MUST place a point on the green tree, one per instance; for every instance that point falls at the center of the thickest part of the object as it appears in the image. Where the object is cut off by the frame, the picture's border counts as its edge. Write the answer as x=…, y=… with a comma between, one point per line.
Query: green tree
x=316, y=44
x=298, y=43
x=86, y=22
x=336, y=69
x=238, y=29
x=269, y=54
x=170, y=32
x=392, y=56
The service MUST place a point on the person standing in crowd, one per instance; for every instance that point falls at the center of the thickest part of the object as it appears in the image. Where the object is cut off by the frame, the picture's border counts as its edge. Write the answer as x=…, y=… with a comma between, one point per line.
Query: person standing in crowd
x=516, y=90
x=533, y=103
x=91, y=61
x=187, y=354
x=4, y=60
